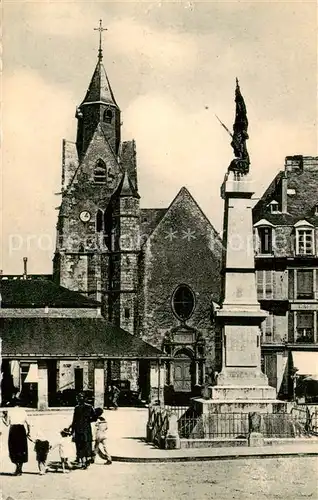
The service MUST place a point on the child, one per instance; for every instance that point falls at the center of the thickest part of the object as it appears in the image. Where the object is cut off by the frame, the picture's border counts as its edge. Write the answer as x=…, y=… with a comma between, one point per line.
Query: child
x=41, y=448
x=101, y=437
x=66, y=448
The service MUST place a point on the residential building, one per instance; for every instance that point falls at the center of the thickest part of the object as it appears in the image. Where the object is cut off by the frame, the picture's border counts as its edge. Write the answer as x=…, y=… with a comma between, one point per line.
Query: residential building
x=286, y=260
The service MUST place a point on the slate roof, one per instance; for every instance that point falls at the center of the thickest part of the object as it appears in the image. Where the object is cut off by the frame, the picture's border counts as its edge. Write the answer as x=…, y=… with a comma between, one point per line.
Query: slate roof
x=70, y=337
x=40, y=293
x=149, y=219
x=99, y=89
x=300, y=205
x=126, y=187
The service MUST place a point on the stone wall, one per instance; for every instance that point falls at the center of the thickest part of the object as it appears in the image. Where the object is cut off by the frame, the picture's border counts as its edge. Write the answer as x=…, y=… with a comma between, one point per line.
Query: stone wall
x=183, y=249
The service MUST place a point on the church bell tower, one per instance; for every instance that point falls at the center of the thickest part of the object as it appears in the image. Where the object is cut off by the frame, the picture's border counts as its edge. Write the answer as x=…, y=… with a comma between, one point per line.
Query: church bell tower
x=98, y=106
x=99, y=211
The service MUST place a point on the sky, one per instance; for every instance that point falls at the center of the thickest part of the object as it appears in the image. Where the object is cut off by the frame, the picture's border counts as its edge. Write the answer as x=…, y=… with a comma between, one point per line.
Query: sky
x=172, y=68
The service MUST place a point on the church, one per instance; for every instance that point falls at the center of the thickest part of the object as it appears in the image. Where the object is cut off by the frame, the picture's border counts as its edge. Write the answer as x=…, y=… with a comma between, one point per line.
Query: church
x=152, y=273
x=156, y=272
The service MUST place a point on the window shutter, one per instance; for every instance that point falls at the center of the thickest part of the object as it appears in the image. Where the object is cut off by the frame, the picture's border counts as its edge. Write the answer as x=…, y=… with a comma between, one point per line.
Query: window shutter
x=305, y=283
x=260, y=284
x=290, y=326
x=305, y=320
x=268, y=284
x=291, y=284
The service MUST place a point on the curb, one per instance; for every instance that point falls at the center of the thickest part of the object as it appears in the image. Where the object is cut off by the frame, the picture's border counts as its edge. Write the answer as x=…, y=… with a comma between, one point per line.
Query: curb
x=210, y=458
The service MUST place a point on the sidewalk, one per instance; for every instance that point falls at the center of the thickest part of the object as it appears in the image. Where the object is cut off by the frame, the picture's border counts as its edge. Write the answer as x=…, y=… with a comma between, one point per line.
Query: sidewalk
x=126, y=442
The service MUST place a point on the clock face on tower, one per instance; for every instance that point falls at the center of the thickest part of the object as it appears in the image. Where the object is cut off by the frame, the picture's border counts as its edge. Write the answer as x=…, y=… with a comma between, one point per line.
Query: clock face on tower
x=85, y=216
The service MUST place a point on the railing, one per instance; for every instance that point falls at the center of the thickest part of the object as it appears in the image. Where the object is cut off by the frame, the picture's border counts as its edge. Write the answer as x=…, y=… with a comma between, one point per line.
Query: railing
x=300, y=422
x=214, y=425
x=158, y=423
x=308, y=417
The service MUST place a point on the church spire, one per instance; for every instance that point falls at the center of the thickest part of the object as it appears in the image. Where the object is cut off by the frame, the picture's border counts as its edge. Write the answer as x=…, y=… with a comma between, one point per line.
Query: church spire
x=99, y=90
x=98, y=107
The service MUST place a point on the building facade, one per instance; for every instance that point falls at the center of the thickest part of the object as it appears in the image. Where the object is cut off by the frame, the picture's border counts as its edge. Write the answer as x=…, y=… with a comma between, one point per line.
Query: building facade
x=286, y=260
x=155, y=271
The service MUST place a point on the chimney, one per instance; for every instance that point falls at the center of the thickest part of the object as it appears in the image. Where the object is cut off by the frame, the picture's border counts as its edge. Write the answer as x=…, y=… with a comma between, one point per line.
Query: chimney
x=25, y=268
x=284, y=207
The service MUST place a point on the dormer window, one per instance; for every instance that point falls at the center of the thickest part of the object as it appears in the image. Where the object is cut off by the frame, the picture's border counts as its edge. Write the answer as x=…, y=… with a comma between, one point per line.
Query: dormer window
x=108, y=116
x=304, y=238
x=265, y=237
x=100, y=172
x=273, y=207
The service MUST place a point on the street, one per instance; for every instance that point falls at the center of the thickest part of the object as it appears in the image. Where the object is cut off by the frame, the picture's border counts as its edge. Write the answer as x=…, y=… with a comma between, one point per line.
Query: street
x=284, y=478
x=290, y=478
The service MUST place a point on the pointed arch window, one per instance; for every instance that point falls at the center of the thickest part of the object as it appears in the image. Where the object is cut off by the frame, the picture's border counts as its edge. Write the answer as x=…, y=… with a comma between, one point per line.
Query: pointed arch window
x=108, y=116
x=100, y=172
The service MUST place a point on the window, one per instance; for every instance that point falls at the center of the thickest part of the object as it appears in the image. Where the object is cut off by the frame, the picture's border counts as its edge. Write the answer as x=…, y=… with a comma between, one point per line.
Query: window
x=268, y=328
x=100, y=172
x=305, y=284
x=305, y=327
x=273, y=207
x=183, y=302
x=127, y=313
x=304, y=241
x=99, y=221
x=108, y=116
x=265, y=240
x=265, y=284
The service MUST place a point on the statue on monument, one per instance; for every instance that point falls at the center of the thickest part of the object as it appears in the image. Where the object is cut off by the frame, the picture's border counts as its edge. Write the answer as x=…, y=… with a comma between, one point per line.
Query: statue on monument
x=241, y=162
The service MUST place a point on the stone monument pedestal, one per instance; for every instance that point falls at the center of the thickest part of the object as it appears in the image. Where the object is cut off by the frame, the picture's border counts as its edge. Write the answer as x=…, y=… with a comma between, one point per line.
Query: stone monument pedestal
x=241, y=386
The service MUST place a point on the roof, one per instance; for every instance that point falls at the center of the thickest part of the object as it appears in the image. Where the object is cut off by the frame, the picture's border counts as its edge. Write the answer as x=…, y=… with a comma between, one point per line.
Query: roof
x=40, y=293
x=149, y=219
x=67, y=338
x=303, y=202
x=300, y=205
x=272, y=192
x=126, y=187
x=99, y=89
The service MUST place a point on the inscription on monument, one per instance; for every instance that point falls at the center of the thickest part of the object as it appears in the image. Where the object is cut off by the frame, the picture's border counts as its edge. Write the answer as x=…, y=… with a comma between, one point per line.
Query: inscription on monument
x=241, y=346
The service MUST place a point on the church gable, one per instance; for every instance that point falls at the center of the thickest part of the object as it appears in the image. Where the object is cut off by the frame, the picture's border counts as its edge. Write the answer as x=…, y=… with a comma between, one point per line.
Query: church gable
x=184, y=221
x=184, y=249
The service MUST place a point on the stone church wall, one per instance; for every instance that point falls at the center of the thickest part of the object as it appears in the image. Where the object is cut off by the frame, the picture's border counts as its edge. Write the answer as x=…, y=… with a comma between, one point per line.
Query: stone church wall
x=184, y=249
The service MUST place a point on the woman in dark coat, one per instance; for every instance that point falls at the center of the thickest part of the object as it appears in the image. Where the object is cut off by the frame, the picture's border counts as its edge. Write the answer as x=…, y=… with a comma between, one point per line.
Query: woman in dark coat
x=19, y=430
x=81, y=428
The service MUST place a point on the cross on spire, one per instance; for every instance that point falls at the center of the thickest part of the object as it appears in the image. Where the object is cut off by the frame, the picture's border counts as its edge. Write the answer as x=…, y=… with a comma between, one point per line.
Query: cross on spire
x=100, y=29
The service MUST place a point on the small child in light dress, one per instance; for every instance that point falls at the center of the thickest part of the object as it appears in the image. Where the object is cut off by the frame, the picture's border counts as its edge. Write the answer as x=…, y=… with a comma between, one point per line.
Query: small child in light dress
x=66, y=449
x=100, y=447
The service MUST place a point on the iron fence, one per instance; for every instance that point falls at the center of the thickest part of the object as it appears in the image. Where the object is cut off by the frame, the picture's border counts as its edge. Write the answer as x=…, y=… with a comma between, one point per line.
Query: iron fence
x=214, y=425
x=300, y=422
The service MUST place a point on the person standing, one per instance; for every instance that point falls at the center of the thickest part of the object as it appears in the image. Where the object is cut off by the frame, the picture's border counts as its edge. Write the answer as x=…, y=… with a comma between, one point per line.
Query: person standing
x=19, y=430
x=115, y=396
x=83, y=416
x=100, y=447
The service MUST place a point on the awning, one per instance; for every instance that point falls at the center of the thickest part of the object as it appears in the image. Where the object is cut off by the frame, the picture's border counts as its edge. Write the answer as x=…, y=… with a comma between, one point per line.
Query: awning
x=306, y=363
x=32, y=376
